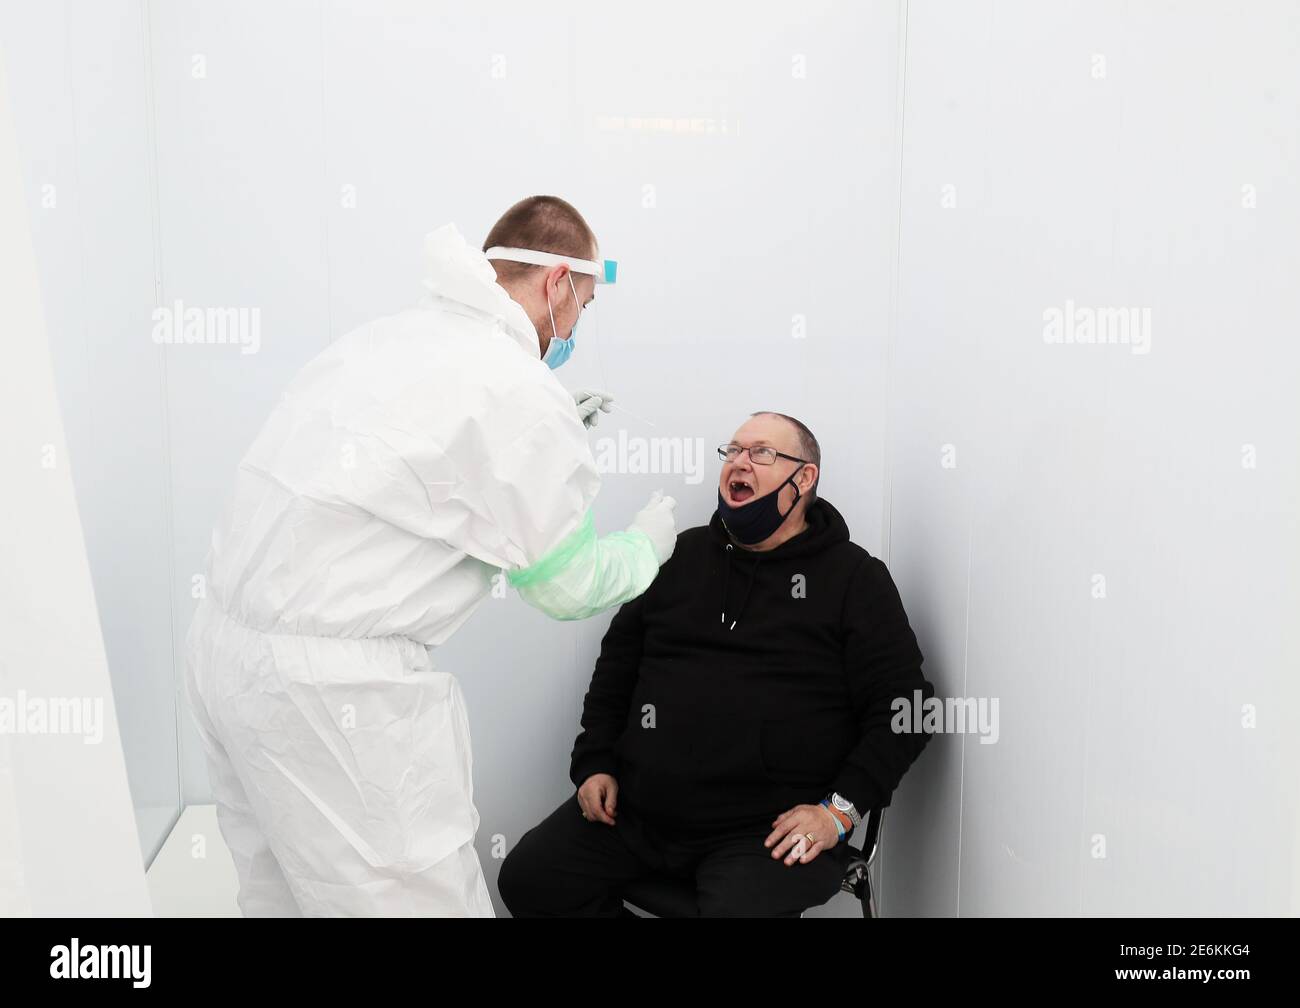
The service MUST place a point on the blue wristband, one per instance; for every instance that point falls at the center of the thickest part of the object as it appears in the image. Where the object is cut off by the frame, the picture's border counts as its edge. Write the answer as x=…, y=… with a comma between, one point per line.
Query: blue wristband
x=839, y=826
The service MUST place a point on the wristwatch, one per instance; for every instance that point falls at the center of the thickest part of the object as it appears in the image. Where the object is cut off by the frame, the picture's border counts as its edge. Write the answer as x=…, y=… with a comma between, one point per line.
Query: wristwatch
x=844, y=805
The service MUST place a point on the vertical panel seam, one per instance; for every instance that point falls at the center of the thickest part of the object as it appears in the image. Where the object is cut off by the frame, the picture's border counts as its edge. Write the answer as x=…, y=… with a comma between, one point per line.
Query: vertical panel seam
x=887, y=491
x=155, y=224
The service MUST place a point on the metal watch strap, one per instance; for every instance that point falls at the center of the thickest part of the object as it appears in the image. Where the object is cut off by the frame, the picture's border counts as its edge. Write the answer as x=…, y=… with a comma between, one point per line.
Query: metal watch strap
x=851, y=811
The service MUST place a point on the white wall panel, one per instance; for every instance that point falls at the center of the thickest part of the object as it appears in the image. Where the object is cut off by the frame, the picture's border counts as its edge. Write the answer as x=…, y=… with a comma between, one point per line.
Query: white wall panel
x=1097, y=154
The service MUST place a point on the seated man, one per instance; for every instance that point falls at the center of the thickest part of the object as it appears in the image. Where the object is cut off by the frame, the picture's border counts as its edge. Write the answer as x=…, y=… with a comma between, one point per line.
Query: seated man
x=738, y=723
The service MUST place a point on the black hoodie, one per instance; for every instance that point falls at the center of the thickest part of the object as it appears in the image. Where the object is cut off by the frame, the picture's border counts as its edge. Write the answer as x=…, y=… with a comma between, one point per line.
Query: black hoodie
x=743, y=683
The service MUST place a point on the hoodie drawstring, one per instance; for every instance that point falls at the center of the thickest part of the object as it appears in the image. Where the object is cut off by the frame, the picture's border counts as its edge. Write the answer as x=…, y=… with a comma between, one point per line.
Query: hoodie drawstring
x=726, y=582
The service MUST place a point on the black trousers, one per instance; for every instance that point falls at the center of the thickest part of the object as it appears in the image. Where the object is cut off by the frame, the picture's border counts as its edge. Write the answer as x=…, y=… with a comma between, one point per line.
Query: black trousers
x=568, y=866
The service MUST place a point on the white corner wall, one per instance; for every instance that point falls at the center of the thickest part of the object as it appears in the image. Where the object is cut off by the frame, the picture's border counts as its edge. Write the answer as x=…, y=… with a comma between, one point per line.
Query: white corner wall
x=79, y=80
x=68, y=841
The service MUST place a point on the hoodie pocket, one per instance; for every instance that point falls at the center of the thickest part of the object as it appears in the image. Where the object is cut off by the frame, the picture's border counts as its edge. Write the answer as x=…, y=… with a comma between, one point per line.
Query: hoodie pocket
x=726, y=752
x=808, y=749
x=689, y=759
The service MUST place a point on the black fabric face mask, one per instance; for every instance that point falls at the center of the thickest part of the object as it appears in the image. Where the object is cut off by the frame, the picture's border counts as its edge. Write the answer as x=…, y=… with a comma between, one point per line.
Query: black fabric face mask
x=757, y=519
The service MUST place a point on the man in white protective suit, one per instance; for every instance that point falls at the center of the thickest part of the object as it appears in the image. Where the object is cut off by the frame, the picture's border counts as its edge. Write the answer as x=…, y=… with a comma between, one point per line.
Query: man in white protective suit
x=402, y=469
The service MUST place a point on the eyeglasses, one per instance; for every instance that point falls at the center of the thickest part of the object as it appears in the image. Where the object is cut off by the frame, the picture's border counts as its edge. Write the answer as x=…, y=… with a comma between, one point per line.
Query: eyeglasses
x=758, y=454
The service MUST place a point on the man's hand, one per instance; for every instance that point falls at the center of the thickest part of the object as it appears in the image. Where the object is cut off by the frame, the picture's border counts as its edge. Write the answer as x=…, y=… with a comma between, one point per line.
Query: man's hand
x=590, y=403
x=598, y=797
x=656, y=521
x=790, y=827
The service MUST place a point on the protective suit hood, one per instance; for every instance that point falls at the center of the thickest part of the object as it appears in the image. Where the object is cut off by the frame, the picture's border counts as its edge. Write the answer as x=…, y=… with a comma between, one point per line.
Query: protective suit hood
x=458, y=274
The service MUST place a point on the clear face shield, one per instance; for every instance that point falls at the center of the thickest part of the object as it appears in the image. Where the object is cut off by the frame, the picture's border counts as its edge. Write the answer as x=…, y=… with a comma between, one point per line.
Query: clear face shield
x=603, y=271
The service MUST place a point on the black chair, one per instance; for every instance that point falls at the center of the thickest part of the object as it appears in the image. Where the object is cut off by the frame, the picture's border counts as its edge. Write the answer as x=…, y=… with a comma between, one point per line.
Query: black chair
x=670, y=896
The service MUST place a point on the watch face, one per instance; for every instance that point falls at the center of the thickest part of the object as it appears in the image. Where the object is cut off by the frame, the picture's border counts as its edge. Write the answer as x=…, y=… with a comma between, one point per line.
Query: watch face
x=841, y=803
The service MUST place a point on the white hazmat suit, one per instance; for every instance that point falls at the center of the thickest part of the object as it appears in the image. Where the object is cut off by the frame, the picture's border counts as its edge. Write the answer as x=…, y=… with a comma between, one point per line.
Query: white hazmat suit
x=402, y=469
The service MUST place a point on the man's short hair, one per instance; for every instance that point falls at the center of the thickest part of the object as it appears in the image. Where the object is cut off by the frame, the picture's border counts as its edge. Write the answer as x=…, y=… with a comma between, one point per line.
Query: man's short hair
x=544, y=224
x=808, y=446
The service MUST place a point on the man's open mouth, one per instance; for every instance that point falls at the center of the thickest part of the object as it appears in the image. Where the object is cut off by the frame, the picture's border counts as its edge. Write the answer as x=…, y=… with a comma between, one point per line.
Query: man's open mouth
x=740, y=490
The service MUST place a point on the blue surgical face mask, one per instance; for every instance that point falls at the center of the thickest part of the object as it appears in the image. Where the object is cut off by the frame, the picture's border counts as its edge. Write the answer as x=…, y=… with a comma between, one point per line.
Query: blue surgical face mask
x=559, y=350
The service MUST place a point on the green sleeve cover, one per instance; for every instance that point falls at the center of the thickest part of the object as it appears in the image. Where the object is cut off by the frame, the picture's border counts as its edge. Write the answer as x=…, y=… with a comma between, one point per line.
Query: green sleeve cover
x=583, y=575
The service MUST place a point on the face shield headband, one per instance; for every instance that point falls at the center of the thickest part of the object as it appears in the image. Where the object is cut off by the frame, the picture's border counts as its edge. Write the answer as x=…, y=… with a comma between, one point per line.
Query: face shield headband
x=605, y=271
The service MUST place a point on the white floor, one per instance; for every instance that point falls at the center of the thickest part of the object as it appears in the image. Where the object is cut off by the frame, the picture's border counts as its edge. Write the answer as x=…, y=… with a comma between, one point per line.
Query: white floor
x=193, y=875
